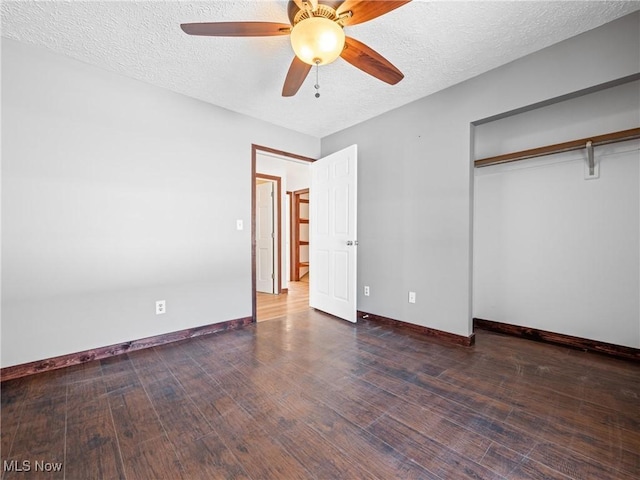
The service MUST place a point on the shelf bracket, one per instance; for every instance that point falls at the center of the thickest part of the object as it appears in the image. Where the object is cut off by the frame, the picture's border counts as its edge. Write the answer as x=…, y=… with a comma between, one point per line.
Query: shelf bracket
x=593, y=170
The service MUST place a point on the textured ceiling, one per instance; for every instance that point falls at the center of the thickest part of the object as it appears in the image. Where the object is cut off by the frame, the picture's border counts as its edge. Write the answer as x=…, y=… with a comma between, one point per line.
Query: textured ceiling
x=435, y=44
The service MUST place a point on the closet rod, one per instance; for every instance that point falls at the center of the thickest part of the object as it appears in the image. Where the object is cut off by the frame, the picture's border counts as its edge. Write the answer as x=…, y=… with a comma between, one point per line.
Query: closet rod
x=597, y=140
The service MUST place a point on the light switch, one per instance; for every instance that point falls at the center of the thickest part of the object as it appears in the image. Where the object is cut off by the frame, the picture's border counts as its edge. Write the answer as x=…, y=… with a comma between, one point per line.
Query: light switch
x=239, y=225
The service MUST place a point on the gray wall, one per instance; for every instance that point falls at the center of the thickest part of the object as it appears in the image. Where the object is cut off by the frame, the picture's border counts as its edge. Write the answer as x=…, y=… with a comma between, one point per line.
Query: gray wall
x=415, y=174
x=116, y=194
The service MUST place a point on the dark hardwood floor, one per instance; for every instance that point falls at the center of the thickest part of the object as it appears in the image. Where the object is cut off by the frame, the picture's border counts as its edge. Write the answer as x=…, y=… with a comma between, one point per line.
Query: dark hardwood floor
x=309, y=396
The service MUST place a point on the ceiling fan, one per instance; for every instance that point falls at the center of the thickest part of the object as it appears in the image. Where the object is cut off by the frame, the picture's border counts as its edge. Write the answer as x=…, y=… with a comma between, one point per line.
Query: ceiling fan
x=317, y=37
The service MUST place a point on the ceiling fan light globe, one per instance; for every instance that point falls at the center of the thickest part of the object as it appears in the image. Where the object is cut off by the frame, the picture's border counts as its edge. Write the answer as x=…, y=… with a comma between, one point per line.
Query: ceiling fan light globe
x=317, y=40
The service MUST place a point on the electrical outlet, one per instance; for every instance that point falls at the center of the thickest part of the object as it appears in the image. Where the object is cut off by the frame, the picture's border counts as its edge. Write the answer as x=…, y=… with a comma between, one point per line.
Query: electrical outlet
x=366, y=290
x=412, y=297
x=161, y=307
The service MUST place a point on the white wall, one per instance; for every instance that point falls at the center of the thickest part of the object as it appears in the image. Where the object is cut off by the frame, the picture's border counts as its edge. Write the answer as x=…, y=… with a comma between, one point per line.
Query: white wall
x=116, y=194
x=415, y=176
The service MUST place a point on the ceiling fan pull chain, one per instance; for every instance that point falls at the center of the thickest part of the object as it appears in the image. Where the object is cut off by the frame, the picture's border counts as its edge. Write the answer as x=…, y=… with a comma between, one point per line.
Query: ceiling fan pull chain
x=317, y=85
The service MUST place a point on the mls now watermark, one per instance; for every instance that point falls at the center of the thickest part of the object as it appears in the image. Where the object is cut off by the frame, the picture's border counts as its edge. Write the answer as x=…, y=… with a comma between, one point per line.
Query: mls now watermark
x=31, y=466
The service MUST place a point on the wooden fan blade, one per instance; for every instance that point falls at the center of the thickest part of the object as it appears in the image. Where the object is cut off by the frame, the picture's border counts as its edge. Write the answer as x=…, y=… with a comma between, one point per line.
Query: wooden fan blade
x=236, y=29
x=365, y=10
x=370, y=61
x=292, y=10
x=298, y=71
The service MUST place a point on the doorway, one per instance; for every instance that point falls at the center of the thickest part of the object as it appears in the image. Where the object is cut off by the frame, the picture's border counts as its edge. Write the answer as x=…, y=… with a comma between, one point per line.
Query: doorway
x=287, y=297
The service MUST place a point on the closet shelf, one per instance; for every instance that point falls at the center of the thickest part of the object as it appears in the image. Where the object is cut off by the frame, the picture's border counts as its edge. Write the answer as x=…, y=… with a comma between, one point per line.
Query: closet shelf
x=621, y=136
x=299, y=236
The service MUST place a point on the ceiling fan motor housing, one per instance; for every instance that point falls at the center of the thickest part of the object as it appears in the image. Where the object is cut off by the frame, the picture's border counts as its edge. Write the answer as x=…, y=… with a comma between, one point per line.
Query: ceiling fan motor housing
x=322, y=11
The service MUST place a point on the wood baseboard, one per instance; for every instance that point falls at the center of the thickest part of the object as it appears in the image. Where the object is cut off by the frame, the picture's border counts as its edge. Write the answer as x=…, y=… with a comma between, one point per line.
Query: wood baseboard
x=619, y=351
x=431, y=332
x=31, y=368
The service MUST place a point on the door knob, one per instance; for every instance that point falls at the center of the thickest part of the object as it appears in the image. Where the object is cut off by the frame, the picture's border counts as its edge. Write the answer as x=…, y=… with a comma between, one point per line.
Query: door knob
x=349, y=242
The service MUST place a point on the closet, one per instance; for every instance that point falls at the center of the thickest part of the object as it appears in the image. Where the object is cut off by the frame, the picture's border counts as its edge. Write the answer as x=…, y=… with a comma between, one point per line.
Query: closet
x=556, y=243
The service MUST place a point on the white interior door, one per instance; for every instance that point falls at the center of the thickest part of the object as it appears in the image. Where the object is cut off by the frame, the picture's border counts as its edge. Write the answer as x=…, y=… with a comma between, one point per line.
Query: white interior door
x=265, y=238
x=333, y=235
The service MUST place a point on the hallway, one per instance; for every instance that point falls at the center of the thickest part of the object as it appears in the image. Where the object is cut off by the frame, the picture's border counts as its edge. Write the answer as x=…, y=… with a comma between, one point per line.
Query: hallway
x=275, y=306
